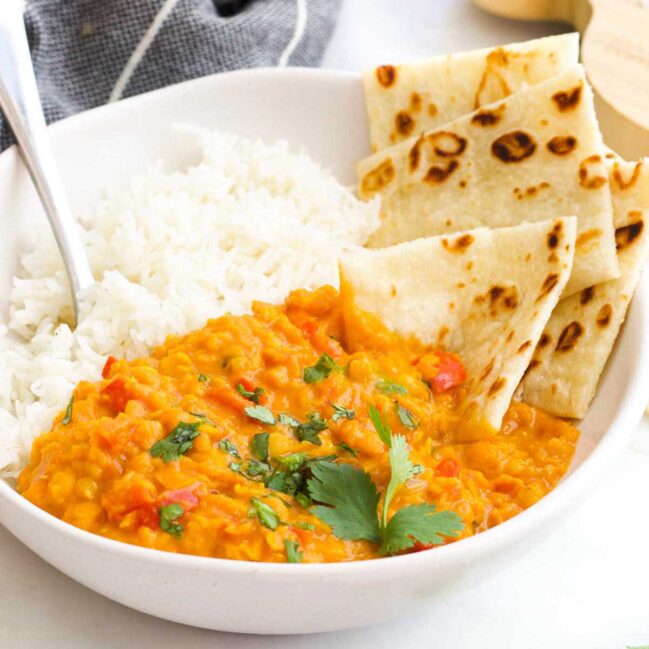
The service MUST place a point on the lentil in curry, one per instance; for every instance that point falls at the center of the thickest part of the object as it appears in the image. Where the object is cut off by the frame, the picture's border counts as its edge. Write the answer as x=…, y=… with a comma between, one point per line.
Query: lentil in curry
x=205, y=447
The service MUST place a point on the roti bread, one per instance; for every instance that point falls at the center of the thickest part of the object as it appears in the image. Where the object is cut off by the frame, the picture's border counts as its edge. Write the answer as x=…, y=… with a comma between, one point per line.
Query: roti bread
x=578, y=339
x=483, y=294
x=411, y=98
x=534, y=154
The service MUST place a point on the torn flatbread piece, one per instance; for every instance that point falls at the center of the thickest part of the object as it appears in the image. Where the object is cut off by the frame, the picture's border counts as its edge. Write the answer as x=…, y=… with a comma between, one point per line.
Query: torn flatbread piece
x=578, y=339
x=408, y=99
x=483, y=294
x=534, y=154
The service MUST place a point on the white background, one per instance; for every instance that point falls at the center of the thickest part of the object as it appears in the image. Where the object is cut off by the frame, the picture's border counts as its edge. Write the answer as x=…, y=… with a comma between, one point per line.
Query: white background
x=586, y=586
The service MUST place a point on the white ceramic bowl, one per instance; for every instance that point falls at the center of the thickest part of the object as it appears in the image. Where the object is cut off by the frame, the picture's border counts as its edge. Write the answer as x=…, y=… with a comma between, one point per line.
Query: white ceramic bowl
x=324, y=113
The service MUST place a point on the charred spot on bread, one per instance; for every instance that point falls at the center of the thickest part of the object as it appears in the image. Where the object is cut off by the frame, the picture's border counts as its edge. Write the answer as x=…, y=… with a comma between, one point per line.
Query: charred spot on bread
x=446, y=144
x=562, y=144
x=627, y=234
x=567, y=99
x=378, y=178
x=592, y=178
x=551, y=280
x=514, y=146
x=488, y=117
x=437, y=174
x=404, y=123
x=569, y=337
x=587, y=295
x=603, y=317
x=386, y=75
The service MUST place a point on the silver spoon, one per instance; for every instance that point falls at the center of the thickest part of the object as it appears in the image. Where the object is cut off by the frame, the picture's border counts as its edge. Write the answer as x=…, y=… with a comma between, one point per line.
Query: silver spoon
x=22, y=108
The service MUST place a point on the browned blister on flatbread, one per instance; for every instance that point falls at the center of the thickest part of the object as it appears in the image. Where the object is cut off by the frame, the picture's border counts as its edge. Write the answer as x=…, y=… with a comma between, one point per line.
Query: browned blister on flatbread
x=539, y=154
x=484, y=294
x=581, y=332
x=409, y=99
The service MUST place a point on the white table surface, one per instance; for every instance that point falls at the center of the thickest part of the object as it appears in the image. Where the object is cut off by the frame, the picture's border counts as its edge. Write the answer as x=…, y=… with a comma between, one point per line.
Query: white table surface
x=586, y=586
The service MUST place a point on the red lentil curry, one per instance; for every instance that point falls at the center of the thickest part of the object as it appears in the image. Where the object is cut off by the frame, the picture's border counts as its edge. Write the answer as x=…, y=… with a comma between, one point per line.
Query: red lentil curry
x=285, y=436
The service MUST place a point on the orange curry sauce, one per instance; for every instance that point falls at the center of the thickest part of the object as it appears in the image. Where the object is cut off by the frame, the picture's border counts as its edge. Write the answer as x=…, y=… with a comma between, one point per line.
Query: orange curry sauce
x=97, y=472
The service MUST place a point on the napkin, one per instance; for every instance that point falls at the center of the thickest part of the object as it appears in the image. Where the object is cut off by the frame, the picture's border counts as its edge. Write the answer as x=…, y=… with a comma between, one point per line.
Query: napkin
x=90, y=52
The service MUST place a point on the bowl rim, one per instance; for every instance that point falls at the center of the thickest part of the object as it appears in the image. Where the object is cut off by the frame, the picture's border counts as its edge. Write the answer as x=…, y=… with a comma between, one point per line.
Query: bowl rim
x=628, y=414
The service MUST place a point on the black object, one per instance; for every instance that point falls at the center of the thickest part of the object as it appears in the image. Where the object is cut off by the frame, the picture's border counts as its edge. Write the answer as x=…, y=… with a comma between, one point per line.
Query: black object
x=227, y=8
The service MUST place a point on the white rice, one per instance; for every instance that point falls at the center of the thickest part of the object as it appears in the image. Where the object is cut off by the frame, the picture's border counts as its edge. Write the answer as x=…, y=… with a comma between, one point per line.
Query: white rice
x=249, y=222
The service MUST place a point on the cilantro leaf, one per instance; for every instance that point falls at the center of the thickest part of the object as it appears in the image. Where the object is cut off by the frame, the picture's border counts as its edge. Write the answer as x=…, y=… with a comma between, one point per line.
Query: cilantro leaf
x=251, y=469
x=177, y=443
x=309, y=431
x=265, y=513
x=303, y=525
x=229, y=447
x=341, y=413
x=321, y=370
x=251, y=396
x=382, y=427
x=203, y=378
x=261, y=414
x=259, y=446
x=205, y=418
x=348, y=498
x=419, y=524
x=406, y=417
x=68, y=412
x=168, y=514
x=401, y=469
x=287, y=420
x=346, y=447
x=293, y=554
x=294, y=461
x=387, y=386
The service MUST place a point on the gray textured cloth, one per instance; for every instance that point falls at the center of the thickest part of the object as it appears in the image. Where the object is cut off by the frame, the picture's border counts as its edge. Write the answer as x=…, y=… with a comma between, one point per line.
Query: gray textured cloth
x=81, y=47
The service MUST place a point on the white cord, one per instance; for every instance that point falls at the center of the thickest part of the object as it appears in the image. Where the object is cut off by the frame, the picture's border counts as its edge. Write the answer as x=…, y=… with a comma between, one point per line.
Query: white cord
x=141, y=49
x=300, y=26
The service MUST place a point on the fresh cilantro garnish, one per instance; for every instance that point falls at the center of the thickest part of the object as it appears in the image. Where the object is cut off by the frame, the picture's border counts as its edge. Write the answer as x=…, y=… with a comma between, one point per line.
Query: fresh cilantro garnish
x=401, y=470
x=205, y=418
x=387, y=386
x=177, y=443
x=406, y=417
x=346, y=447
x=382, y=427
x=251, y=396
x=265, y=513
x=251, y=469
x=287, y=420
x=203, y=378
x=229, y=447
x=68, y=412
x=303, y=525
x=293, y=554
x=321, y=370
x=348, y=501
x=303, y=499
x=293, y=461
x=308, y=431
x=168, y=514
x=341, y=413
x=261, y=414
x=290, y=475
x=259, y=446
x=418, y=524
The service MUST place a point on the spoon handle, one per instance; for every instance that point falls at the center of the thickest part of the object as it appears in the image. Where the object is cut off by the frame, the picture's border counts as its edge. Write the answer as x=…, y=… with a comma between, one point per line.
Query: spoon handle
x=22, y=108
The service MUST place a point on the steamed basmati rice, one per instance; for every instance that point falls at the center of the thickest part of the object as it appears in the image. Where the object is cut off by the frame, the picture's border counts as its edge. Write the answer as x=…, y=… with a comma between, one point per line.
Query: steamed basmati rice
x=249, y=222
